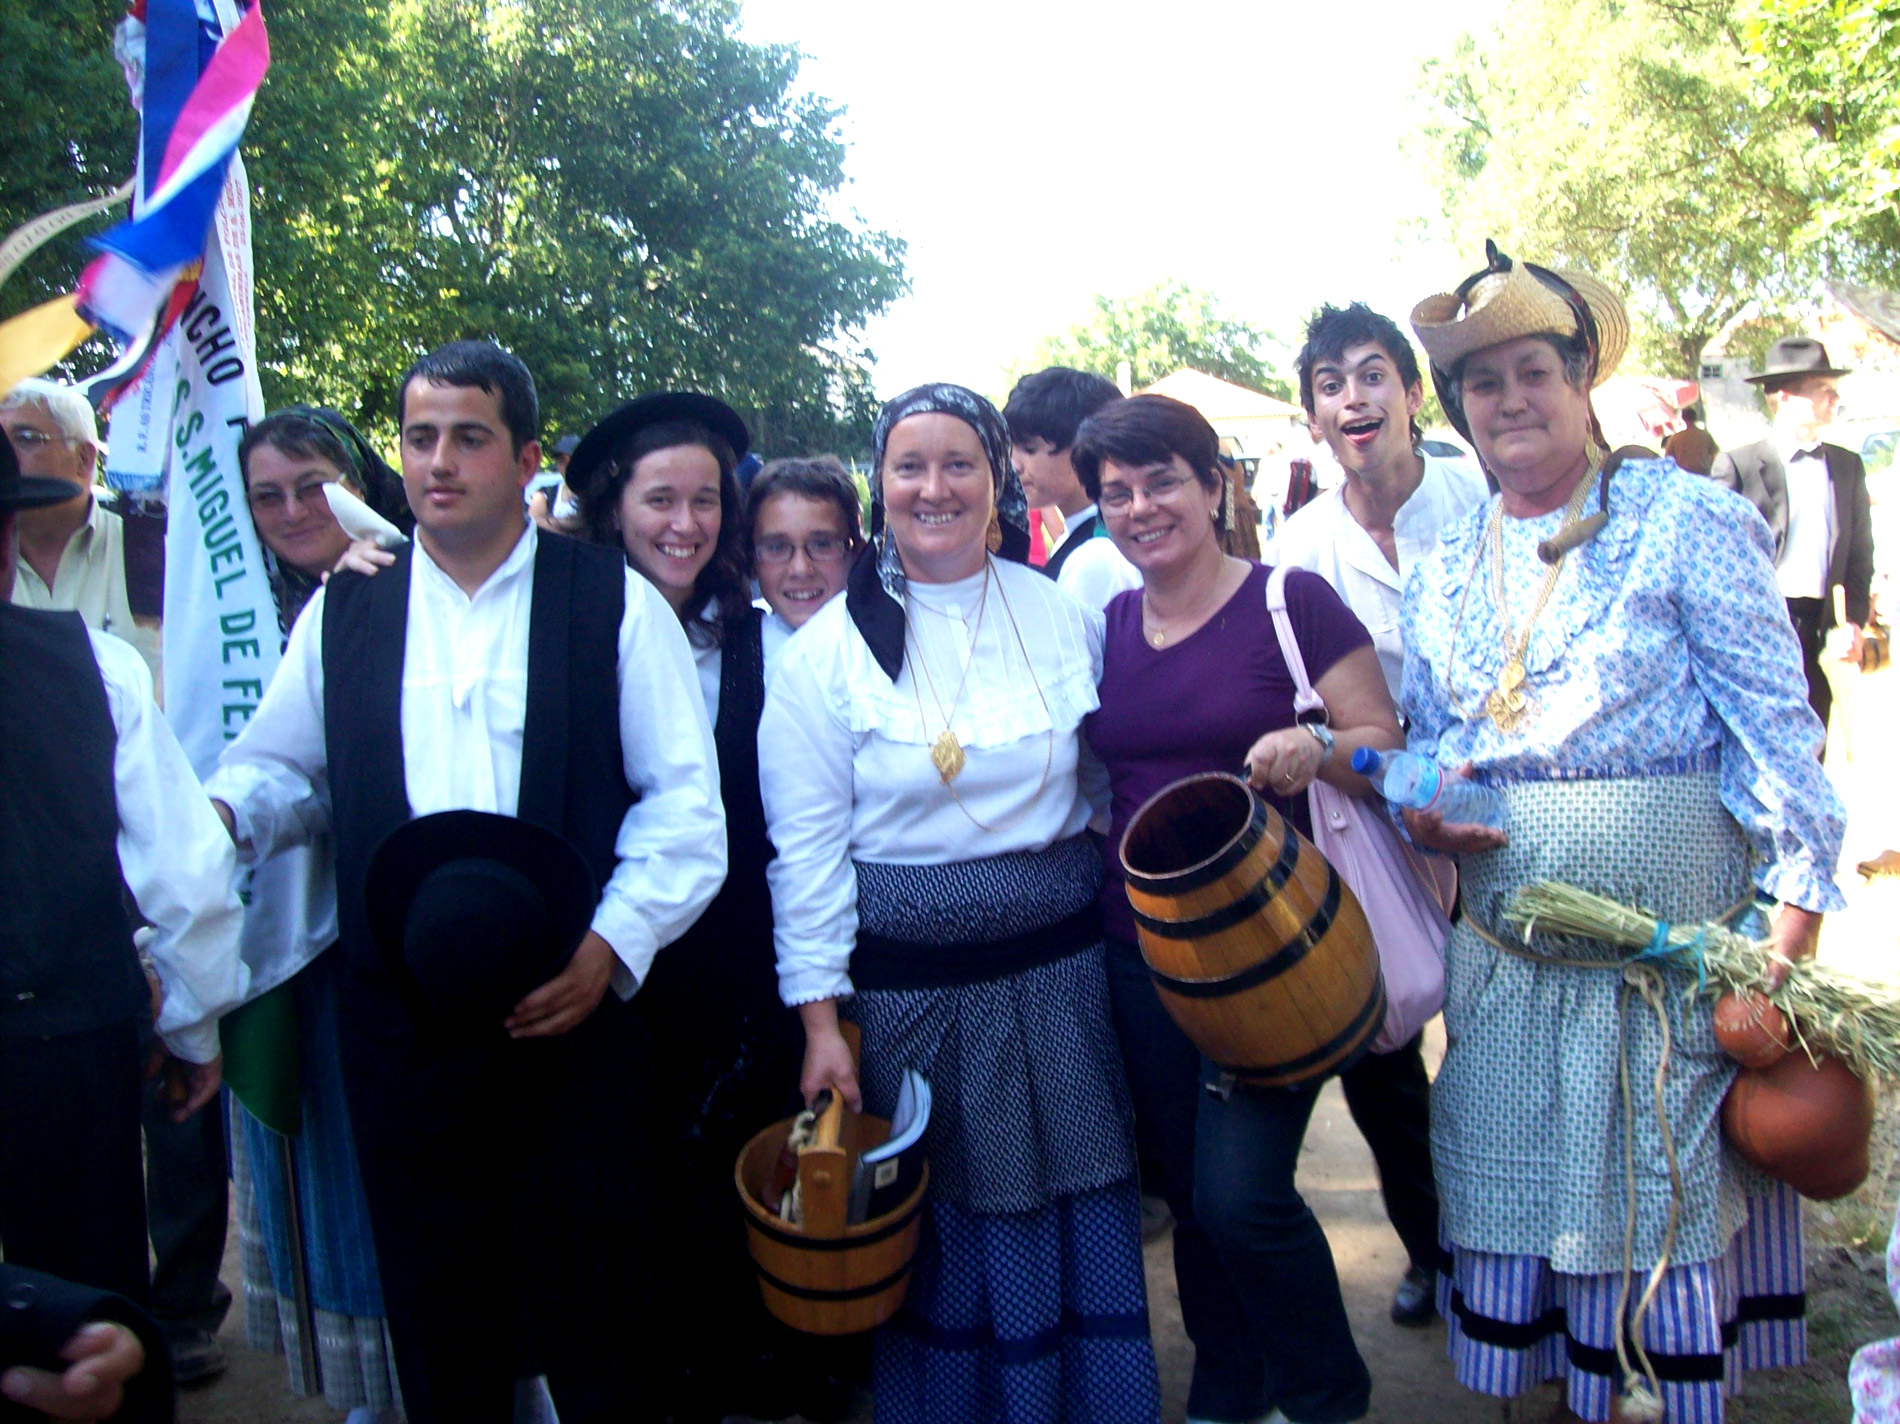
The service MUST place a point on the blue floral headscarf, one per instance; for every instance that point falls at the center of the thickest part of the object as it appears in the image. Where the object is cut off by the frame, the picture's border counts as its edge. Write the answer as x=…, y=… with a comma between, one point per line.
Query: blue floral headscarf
x=875, y=594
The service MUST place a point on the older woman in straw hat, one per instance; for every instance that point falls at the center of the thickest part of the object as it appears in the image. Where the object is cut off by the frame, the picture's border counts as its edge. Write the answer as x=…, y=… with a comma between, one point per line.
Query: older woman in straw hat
x=1604, y=642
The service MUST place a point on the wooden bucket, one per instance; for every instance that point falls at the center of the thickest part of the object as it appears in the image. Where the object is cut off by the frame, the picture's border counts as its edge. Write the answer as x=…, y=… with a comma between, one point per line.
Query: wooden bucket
x=1258, y=949
x=824, y=1277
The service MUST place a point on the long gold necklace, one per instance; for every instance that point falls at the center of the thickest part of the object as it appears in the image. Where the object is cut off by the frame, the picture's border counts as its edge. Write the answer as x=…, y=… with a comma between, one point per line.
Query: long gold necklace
x=946, y=753
x=1507, y=704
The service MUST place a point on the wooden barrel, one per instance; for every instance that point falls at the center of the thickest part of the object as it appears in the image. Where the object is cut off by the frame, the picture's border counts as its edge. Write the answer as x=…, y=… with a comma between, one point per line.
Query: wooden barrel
x=1258, y=949
x=834, y=1279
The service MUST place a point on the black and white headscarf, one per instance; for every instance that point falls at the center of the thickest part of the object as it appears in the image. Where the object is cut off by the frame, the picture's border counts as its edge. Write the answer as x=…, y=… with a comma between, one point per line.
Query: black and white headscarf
x=874, y=597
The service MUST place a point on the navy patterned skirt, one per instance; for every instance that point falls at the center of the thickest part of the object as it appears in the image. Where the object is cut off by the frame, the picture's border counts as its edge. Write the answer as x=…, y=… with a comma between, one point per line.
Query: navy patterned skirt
x=1027, y=1302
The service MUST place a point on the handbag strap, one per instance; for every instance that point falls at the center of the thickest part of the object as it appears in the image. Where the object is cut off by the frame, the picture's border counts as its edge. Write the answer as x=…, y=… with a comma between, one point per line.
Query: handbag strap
x=1305, y=699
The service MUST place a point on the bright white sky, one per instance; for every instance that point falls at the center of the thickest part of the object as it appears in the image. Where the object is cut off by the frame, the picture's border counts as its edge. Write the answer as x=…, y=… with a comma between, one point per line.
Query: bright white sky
x=1033, y=153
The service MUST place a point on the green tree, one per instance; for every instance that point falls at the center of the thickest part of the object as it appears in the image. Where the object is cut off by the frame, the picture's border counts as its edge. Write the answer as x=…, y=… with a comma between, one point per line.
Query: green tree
x=624, y=192
x=1159, y=331
x=1834, y=66
x=69, y=134
x=1628, y=139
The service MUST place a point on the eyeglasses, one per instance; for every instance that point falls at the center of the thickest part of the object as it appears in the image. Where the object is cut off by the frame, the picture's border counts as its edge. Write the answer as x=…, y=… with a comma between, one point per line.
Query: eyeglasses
x=26, y=439
x=819, y=548
x=270, y=499
x=1118, y=499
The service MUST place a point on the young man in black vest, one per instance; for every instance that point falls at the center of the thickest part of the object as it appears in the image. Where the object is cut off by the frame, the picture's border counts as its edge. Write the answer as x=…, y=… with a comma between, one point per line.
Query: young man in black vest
x=1043, y=412
x=96, y=797
x=494, y=667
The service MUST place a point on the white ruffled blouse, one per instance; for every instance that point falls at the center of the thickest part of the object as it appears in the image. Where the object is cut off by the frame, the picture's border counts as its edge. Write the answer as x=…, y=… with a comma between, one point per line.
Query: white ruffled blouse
x=844, y=752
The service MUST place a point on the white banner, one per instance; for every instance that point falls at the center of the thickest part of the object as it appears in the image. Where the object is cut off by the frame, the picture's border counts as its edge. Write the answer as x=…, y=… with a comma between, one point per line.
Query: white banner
x=221, y=636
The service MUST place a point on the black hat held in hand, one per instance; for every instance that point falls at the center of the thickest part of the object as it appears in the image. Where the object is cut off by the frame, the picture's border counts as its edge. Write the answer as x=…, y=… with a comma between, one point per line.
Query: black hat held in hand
x=472, y=911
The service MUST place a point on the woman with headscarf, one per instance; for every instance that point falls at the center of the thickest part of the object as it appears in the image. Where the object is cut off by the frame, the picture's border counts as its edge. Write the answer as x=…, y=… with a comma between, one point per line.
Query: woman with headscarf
x=1604, y=642
x=286, y=460
x=655, y=478
x=923, y=779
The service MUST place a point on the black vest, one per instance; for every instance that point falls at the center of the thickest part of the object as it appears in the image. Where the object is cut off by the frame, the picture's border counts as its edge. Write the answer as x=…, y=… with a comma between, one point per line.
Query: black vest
x=572, y=779
x=66, y=958
x=1078, y=535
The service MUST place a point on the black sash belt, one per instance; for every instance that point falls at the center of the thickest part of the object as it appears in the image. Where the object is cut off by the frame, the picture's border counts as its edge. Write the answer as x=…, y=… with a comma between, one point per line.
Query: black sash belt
x=880, y=962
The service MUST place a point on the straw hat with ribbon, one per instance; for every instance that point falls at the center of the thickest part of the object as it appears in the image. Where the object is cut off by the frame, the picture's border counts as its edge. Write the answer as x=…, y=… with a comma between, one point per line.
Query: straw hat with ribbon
x=1509, y=299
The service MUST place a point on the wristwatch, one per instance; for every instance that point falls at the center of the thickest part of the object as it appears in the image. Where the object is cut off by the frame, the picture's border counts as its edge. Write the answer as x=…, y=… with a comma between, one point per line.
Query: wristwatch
x=1322, y=734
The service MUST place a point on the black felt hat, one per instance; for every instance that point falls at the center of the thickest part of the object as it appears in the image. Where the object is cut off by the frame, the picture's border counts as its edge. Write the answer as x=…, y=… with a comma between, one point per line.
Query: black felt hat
x=18, y=491
x=471, y=911
x=596, y=451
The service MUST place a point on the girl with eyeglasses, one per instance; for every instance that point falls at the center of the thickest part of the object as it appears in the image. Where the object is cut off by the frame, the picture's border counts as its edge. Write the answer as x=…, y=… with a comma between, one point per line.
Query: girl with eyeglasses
x=802, y=522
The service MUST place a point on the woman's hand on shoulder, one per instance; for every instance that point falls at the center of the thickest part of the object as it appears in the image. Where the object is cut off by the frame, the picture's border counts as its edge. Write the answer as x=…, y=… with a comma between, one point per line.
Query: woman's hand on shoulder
x=1284, y=762
x=364, y=556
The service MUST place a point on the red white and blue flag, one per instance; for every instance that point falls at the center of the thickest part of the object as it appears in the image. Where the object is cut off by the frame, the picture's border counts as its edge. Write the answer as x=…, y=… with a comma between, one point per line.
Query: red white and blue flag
x=194, y=107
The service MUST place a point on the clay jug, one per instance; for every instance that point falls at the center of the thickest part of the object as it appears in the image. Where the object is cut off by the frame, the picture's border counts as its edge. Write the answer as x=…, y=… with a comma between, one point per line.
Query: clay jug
x=1804, y=1123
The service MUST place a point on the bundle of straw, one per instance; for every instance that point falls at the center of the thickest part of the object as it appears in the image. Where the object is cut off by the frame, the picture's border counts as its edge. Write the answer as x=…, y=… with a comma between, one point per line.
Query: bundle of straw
x=1853, y=1019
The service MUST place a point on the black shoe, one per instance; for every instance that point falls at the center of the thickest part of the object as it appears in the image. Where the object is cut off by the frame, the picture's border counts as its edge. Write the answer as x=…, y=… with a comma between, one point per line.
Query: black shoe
x=1415, y=1301
x=197, y=1357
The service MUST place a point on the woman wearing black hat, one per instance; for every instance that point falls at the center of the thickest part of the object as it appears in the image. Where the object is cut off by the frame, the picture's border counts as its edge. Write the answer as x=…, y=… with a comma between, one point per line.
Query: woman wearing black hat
x=656, y=478
x=286, y=460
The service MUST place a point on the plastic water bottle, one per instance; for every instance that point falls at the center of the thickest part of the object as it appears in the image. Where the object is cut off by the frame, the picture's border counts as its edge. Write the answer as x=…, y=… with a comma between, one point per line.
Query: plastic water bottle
x=1408, y=779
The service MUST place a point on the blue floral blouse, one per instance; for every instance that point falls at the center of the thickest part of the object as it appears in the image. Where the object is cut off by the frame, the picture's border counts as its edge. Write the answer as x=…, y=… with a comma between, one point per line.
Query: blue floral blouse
x=1665, y=646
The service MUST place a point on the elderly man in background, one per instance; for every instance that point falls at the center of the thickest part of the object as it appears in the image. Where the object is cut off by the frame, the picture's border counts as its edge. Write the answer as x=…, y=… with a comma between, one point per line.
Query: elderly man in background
x=73, y=553
x=1814, y=497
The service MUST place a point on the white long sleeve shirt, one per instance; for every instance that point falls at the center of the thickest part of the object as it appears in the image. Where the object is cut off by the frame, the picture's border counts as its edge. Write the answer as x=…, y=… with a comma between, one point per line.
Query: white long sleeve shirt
x=1325, y=539
x=844, y=753
x=464, y=702
x=176, y=859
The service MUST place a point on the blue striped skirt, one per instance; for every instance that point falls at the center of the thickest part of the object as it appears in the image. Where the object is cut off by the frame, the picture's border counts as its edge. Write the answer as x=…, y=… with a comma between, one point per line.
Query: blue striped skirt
x=1515, y=1323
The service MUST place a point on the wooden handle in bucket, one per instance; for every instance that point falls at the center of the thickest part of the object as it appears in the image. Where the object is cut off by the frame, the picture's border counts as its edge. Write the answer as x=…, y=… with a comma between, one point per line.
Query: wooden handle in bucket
x=824, y=1168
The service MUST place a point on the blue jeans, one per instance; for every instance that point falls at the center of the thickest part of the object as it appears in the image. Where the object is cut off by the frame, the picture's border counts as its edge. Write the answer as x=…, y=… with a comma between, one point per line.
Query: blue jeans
x=1259, y=1295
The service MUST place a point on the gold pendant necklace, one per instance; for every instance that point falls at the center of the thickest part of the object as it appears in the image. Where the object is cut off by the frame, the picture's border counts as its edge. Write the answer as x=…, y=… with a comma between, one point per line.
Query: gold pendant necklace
x=946, y=752
x=1507, y=704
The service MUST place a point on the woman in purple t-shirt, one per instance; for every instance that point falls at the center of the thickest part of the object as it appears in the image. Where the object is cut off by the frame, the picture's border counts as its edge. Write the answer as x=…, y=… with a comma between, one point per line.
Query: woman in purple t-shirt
x=1193, y=681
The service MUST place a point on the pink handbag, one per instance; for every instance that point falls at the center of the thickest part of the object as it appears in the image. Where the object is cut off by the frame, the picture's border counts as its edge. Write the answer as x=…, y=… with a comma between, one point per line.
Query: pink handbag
x=1406, y=895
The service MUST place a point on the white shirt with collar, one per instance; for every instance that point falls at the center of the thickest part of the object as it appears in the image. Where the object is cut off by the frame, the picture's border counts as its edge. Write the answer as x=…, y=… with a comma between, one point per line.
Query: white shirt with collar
x=845, y=766
x=90, y=581
x=176, y=859
x=1097, y=570
x=464, y=702
x=1324, y=537
x=1801, y=567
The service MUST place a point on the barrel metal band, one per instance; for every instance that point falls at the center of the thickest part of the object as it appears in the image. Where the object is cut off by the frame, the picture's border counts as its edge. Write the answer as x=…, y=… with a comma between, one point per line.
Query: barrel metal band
x=1214, y=921
x=1272, y=967
x=1373, y=1012
x=801, y=1242
x=1212, y=870
x=849, y=1293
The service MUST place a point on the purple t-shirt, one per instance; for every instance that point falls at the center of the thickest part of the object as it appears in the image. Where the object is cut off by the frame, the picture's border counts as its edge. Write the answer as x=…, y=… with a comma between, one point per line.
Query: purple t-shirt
x=1201, y=704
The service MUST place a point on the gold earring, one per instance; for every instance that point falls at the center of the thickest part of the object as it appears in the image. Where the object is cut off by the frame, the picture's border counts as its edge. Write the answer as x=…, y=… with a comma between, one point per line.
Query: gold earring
x=993, y=536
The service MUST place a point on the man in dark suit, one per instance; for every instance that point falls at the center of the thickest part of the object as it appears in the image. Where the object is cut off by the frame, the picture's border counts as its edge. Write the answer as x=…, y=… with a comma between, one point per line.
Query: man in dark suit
x=1814, y=497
